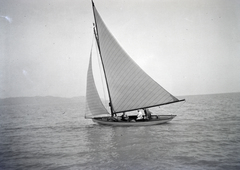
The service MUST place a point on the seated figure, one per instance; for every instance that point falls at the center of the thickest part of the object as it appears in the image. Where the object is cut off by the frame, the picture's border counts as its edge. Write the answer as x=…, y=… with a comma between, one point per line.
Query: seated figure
x=140, y=115
x=148, y=114
x=124, y=117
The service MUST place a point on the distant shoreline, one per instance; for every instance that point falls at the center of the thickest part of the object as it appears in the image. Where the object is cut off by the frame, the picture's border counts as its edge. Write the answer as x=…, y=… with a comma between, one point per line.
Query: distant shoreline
x=60, y=100
x=40, y=100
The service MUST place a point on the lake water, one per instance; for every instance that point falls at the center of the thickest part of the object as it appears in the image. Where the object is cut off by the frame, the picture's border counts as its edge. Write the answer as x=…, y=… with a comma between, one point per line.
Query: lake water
x=204, y=135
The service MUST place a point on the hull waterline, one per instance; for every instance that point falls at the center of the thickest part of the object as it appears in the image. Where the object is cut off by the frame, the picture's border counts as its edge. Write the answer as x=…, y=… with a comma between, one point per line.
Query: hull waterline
x=160, y=120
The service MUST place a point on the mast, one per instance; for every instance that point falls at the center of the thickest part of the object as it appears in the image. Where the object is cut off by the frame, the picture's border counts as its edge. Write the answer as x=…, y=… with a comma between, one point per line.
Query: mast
x=95, y=29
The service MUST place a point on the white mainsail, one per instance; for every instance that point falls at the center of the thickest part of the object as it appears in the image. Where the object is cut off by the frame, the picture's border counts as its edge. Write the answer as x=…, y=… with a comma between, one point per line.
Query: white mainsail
x=130, y=88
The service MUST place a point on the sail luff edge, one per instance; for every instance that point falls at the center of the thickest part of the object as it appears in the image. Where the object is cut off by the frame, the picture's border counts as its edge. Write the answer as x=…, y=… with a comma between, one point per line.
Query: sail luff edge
x=98, y=44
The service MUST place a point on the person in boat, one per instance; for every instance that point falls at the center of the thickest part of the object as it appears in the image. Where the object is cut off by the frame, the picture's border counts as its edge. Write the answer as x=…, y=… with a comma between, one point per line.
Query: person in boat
x=124, y=117
x=148, y=114
x=140, y=115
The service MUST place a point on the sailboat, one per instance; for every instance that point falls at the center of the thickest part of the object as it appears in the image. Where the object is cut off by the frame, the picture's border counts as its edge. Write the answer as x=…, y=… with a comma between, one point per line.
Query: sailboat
x=129, y=88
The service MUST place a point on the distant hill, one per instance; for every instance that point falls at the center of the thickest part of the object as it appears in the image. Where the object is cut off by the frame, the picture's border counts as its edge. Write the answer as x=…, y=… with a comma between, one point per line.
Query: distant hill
x=40, y=100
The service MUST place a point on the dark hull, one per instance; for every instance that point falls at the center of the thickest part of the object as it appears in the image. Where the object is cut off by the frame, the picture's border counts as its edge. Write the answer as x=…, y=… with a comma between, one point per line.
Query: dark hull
x=160, y=119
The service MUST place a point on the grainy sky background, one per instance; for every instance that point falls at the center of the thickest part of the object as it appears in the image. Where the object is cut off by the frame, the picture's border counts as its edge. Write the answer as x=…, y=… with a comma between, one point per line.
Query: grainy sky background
x=188, y=46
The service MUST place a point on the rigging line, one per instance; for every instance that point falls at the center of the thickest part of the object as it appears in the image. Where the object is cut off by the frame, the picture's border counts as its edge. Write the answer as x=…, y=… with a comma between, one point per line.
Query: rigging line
x=99, y=49
x=93, y=37
x=180, y=106
x=101, y=75
x=92, y=45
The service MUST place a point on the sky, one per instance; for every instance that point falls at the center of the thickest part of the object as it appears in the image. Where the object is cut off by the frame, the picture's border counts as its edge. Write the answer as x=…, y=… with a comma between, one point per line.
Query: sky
x=189, y=47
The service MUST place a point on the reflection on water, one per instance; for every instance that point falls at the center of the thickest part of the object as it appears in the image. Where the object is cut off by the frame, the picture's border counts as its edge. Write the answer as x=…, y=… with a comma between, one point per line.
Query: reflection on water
x=204, y=135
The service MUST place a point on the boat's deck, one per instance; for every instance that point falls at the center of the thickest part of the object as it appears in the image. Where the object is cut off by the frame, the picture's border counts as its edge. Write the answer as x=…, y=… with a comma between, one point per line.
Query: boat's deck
x=133, y=118
x=155, y=120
